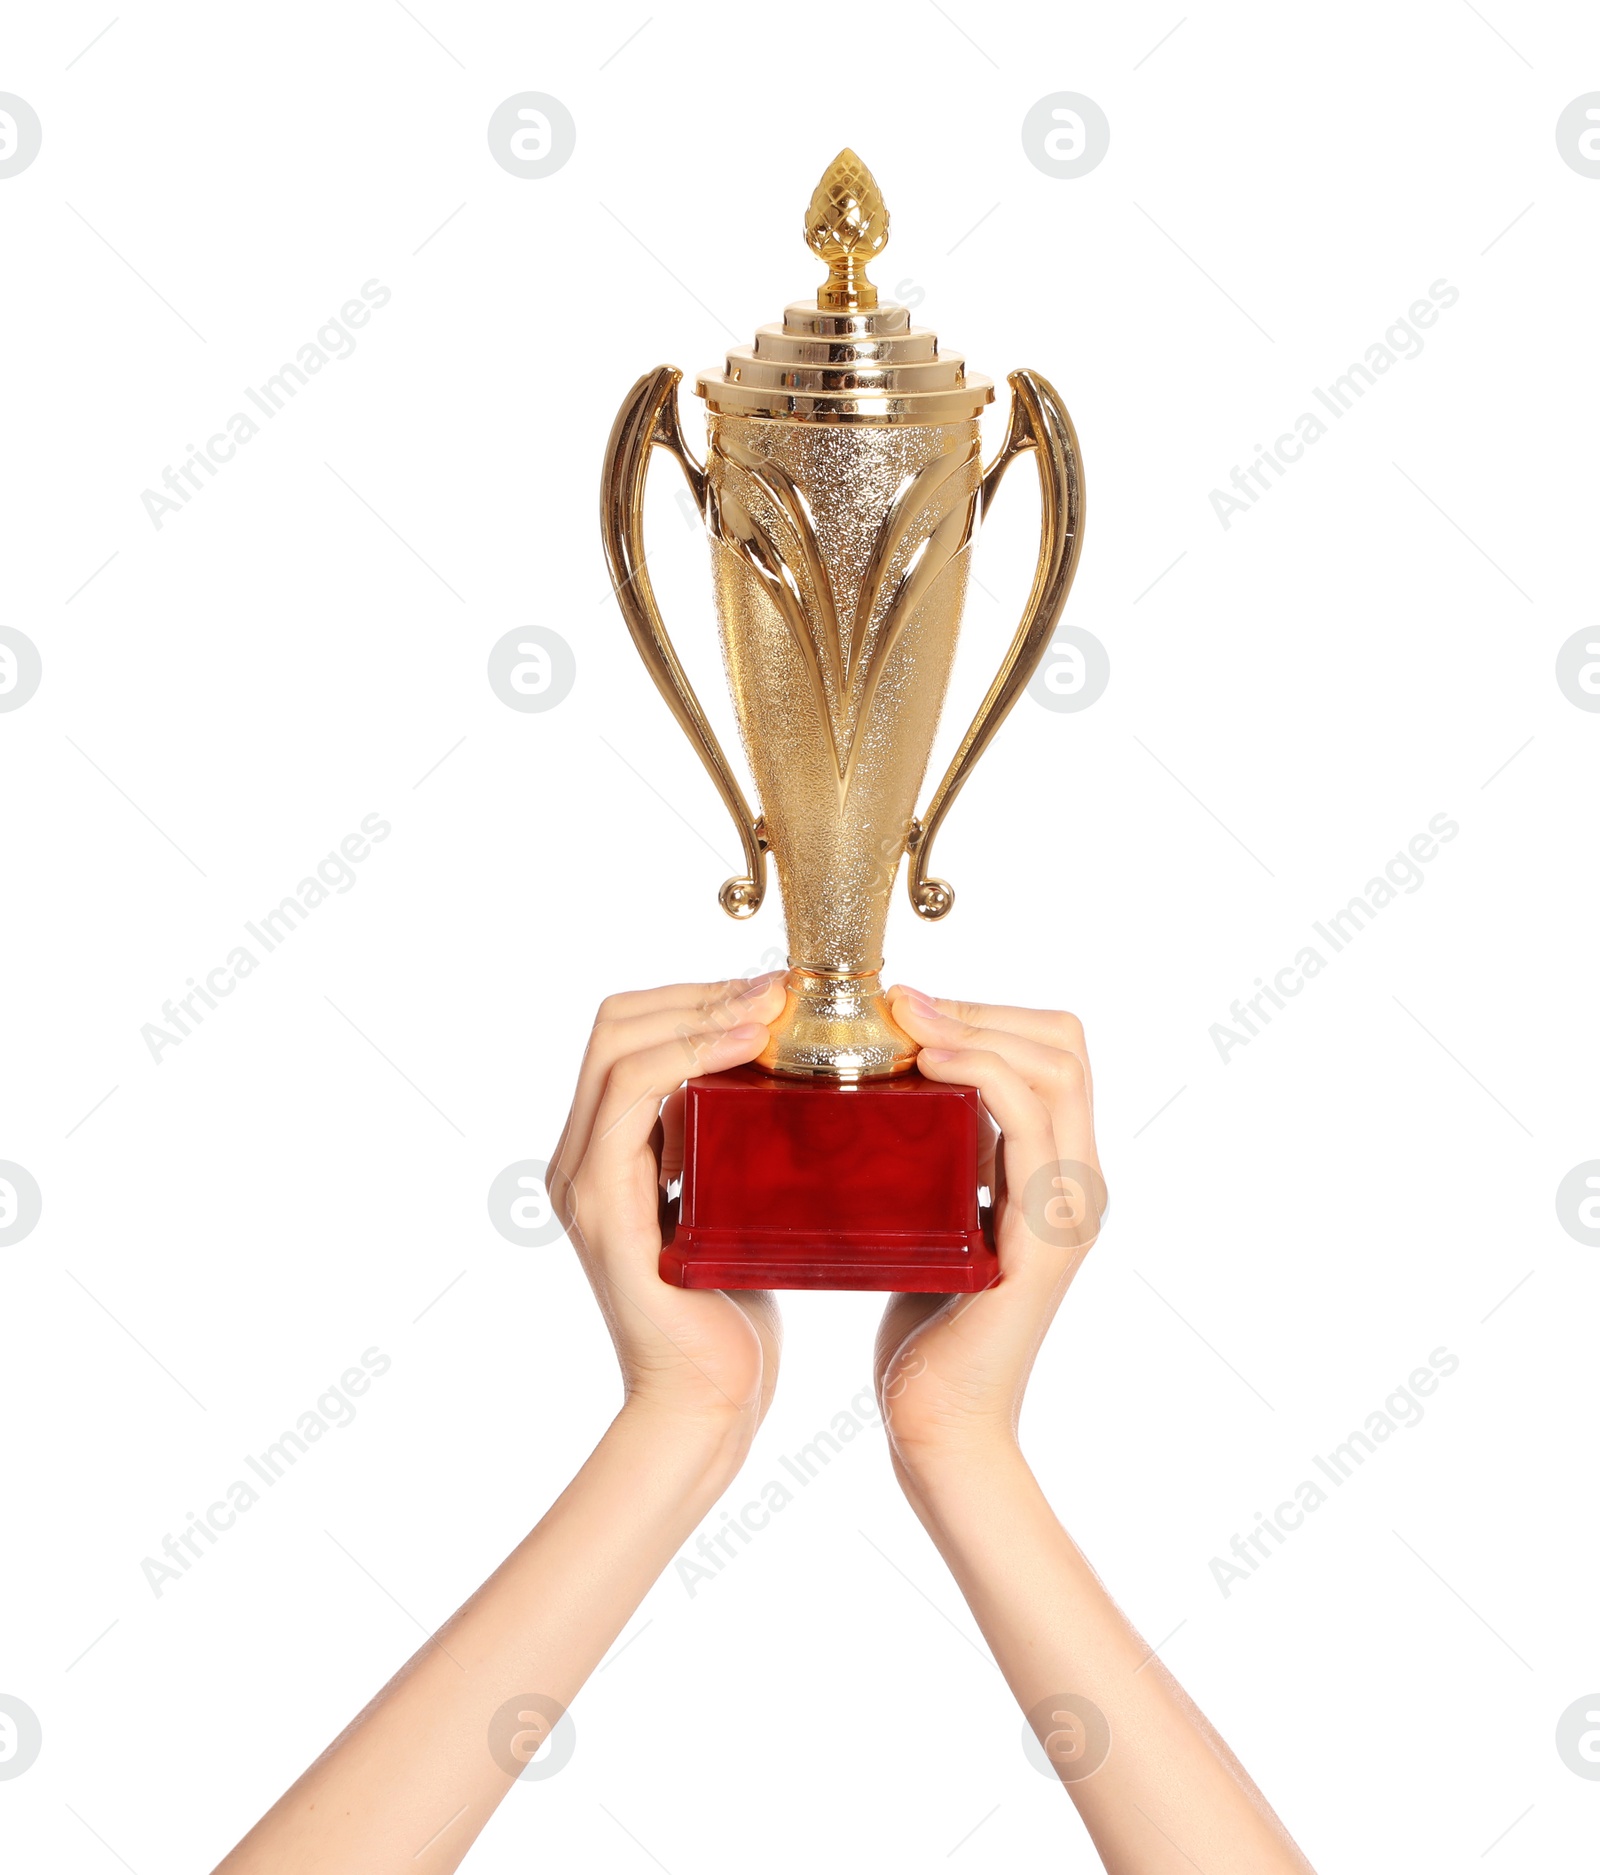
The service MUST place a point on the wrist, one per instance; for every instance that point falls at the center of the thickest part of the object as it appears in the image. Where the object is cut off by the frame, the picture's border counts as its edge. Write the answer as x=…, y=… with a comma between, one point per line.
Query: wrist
x=960, y=1465
x=703, y=1446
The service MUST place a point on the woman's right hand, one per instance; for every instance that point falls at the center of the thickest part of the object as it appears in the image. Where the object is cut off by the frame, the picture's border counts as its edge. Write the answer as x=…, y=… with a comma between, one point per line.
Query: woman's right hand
x=701, y=1353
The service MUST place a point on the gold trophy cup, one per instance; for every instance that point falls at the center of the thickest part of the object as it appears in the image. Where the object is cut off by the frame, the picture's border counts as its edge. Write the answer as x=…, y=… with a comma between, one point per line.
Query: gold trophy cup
x=841, y=489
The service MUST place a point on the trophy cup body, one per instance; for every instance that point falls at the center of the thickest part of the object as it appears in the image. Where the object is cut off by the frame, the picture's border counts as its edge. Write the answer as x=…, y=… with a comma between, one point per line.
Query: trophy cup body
x=841, y=488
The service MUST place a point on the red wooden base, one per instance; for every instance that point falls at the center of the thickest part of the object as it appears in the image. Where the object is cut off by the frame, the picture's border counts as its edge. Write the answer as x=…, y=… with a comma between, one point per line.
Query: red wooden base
x=791, y=1184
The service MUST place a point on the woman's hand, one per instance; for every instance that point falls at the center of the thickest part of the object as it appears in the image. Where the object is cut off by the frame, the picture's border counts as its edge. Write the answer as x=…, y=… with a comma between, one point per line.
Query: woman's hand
x=951, y=1370
x=698, y=1352
x=1156, y=1786
x=409, y=1783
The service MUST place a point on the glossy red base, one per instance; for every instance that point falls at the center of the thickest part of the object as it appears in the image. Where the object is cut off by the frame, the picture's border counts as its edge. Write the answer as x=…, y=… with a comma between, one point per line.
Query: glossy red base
x=791, y=1184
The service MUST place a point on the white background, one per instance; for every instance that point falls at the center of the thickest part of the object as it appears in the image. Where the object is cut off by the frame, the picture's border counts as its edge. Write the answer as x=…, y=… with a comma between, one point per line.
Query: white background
x=303, y=1177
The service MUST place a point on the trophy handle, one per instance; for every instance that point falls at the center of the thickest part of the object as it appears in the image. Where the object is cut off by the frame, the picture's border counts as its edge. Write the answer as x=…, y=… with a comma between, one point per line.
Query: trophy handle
x=649, y=419
x=1039, y=421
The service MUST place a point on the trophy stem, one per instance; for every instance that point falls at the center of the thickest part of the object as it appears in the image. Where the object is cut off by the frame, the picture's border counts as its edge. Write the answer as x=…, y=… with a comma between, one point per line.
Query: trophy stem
x=836, y=1026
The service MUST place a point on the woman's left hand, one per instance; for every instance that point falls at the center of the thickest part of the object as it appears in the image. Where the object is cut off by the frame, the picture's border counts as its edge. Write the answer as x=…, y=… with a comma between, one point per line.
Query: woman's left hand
x=951, y=1370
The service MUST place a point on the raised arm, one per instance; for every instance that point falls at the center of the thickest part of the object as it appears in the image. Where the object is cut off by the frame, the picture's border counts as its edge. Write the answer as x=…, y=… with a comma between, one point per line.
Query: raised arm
x=1158, y=1789
x=411, y=1781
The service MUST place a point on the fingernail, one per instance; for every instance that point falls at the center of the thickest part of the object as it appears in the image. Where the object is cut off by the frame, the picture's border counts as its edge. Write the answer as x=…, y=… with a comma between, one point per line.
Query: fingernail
x=756, y=986
x=923, y=1005
x=745, y=1032
x=935, y=1054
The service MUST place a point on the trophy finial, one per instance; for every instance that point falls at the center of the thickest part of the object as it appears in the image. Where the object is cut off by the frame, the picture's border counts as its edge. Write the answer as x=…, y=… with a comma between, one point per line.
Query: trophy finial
x=846, y=224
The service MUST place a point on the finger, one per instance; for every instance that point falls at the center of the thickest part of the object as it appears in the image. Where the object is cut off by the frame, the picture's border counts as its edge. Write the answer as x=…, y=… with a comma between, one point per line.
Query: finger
x=616, y=1183
x=678, y=996
x=617, y=1037
x=1063, y=1206
x=672, y=1138
x=988, y=1149
x=1058, y=1202
x=638, y=1084
x=1057, y=1075
x=1054, y=1027
x=1028, y=1147
x=627, y=1030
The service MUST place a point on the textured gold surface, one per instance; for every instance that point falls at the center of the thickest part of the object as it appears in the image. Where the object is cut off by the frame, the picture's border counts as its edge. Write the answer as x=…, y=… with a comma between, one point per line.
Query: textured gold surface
x=837, y=1028
x=840, y=569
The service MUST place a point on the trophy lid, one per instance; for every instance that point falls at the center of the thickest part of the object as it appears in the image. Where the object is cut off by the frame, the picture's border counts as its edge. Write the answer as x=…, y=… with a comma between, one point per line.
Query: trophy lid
x=843, y=357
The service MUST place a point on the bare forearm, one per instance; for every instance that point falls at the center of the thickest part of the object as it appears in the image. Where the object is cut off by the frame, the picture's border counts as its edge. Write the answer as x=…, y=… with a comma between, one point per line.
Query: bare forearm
x=410, y=1783
x=1169, y=1795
